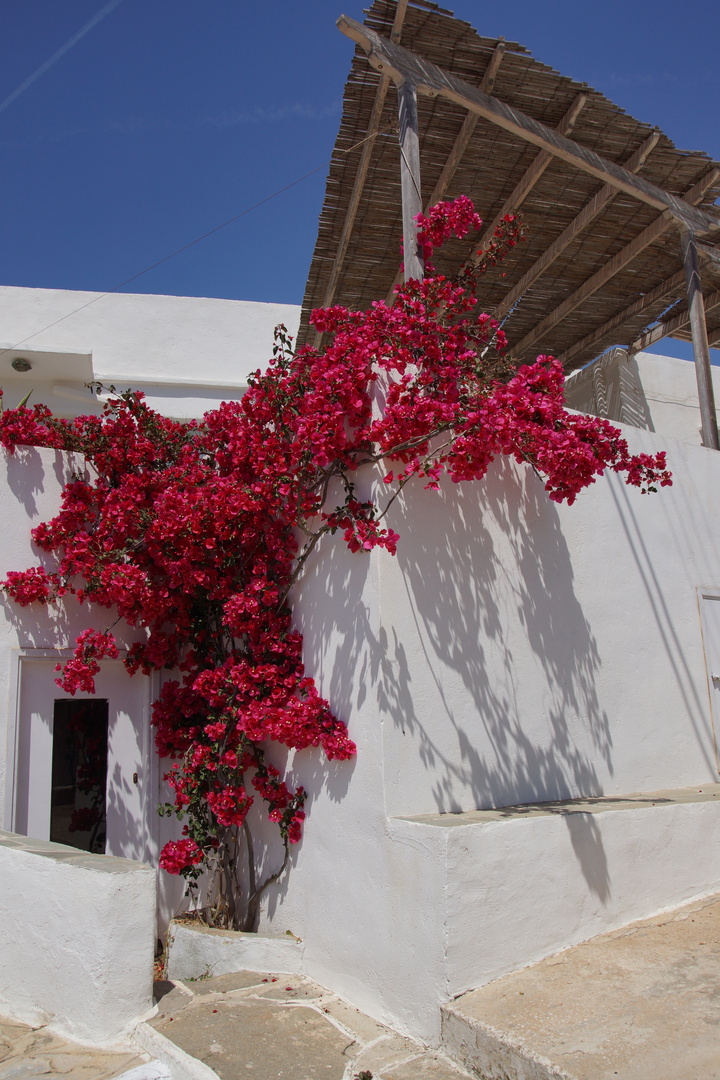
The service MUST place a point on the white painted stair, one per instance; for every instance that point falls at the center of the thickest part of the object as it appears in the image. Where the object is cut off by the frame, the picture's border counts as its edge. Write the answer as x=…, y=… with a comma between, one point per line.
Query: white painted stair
x=640, y=1003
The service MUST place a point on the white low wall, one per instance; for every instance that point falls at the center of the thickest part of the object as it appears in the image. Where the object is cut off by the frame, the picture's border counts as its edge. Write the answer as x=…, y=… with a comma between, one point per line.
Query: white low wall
x=194, y=951
x=528, y=886
x=77, y=936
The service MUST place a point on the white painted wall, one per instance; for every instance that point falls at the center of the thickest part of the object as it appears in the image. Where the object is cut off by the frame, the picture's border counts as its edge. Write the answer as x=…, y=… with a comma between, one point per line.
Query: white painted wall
x=32, y=640
x=186, y=353
x=657, y=393
x=76, y=939
x=513, y=651
x=671, y=392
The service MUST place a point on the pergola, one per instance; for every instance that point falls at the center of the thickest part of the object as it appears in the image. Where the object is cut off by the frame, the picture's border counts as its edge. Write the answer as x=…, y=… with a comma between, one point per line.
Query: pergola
x=619, y=221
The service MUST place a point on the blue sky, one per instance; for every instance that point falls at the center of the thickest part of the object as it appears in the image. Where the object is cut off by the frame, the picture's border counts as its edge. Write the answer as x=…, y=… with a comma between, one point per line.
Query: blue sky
x=169, y=116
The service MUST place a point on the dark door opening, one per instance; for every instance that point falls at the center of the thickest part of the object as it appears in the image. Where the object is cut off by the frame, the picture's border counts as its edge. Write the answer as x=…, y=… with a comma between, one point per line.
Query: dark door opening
x=79, y=774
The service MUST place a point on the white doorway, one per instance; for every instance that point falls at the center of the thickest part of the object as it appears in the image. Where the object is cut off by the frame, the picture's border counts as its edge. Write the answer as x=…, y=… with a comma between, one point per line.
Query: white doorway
x=709, y=604
x=57, y=790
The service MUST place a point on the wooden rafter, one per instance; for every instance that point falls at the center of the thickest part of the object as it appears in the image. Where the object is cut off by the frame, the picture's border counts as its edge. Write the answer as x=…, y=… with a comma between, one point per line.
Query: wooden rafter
x=711, y=253
x=674, y=285
x=400, y=65
x=580, y=222
x=462, y=141
x=529, y=178
x=465, y=133
x=362, y=170
x=649, y=235
x=669, y=327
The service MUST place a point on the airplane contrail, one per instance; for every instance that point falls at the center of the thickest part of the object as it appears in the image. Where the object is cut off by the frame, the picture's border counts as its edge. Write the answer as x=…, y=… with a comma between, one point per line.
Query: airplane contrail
x=61, y=52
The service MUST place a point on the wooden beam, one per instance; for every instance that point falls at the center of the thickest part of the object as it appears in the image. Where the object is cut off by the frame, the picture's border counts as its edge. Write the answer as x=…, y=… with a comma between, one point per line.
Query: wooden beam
x=669, y=327
x=709, y=252
x=673, y=285
x=529, y=178
x=644, y=239
x=400, y=12
x=462, y=141
x=410, y=180
x=362, y=171
x=701, y=347
x=586, y=216
x=401, y=64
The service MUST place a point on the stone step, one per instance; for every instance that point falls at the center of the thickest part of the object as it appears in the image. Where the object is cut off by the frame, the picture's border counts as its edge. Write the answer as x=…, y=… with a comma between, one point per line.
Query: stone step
x=639, y=1003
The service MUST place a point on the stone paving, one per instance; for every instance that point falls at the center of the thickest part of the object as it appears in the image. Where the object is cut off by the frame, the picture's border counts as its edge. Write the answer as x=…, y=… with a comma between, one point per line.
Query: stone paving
x=266, y=1027
x=641, y=1003
x=27, y=1052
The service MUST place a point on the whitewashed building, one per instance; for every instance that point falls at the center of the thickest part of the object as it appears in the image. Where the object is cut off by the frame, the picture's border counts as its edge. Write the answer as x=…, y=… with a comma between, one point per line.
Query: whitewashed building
x=514, y=653
x=533, y=688
x=187, y=355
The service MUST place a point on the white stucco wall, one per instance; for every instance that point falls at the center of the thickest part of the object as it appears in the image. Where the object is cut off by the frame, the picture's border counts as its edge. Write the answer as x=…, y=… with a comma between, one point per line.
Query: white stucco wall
x=513, y=651
x=657, y=393
x=186, y=353
x=32, y=640
x=671, y=393
x=76, y=939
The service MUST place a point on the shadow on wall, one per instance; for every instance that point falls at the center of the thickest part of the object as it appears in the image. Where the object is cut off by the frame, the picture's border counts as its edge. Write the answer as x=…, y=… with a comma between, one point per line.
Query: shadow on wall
x=35, y=480
x=691, y=536
x=490, y=624
x=27, y=469
x=341, y=651
x=610, y=386
x=472, y=655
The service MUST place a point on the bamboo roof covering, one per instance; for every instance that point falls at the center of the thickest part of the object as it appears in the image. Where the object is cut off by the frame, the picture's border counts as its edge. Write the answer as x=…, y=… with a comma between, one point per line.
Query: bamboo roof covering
x=588, y=276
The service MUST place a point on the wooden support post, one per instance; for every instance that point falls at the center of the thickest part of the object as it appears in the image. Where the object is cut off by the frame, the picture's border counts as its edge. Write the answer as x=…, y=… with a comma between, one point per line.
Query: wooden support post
x=459, y=147
x=696, y=308
x=410, y=179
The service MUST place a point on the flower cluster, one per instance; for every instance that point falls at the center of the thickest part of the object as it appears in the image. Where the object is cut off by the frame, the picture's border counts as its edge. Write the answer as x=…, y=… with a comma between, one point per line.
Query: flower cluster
x=80, y=671
x=28, y=586
x=180, y=855
x=189, y=532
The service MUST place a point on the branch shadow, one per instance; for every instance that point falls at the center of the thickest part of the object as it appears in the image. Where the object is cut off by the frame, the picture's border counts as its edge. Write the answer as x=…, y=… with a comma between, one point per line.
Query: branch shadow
x=489, y=673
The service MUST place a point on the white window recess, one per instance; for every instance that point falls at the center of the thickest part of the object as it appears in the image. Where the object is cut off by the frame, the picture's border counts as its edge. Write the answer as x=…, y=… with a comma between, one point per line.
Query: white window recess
x=132, y=770
x=709, y=606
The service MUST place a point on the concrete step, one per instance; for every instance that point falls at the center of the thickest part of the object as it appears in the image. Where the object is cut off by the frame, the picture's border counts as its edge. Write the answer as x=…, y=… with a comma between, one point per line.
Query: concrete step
x=639, y=1003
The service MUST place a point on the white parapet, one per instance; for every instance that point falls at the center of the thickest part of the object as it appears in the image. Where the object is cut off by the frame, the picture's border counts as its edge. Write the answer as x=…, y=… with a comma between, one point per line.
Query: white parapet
x=77, y=935
x=523, y=882
x=195, y=951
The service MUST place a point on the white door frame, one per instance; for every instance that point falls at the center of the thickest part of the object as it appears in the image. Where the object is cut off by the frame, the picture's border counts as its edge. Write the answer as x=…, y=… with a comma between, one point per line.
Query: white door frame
x=711, y=594
x=20, y=660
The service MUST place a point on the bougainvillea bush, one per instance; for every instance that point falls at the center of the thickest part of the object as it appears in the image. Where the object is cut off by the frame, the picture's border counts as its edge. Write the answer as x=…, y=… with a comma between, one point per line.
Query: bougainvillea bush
x=194, y=534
